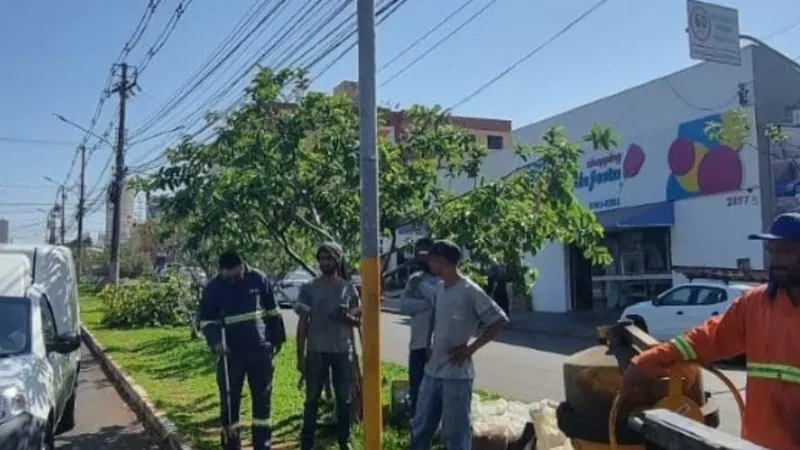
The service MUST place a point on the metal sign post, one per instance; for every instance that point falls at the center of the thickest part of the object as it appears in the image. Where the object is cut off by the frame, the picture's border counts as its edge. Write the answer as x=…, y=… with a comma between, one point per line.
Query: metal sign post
x=713, y=33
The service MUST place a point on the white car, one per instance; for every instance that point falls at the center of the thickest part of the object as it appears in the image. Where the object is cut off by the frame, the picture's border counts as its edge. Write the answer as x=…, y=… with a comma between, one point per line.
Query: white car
x=683, y=307
x=288, y=289
x=39, y=345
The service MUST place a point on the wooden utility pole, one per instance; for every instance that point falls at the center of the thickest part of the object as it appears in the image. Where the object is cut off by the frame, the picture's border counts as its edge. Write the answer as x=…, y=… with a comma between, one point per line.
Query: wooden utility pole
x=63, y=213
x=81, y=212
x=122, y=88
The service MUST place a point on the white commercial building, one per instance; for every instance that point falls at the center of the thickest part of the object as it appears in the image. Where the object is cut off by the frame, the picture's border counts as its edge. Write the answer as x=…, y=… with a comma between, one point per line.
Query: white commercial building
x=668, y=195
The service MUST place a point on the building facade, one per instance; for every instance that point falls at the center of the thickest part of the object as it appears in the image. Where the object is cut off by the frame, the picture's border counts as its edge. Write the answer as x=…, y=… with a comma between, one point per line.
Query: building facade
x=670, y=194
x=495, y=134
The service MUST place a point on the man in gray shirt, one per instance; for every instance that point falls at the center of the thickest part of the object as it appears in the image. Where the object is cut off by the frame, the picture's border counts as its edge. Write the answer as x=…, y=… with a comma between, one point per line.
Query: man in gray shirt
x=445, y=395
x=329, y=309
x=417, y=302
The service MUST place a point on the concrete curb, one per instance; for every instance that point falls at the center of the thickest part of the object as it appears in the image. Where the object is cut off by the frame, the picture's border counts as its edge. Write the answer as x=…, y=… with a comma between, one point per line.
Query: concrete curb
x=155, y=421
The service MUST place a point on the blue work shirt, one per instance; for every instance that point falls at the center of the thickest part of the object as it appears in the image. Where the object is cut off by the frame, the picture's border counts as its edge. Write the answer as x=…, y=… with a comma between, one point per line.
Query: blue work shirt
x=245, y=310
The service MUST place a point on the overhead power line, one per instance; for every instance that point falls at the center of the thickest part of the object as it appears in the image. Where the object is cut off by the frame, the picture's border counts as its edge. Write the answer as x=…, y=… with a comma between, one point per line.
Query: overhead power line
x=433, y=30
x=291, y=32
x=22, y=140
x=530, y=54
x=214, y=62
x=165, y=34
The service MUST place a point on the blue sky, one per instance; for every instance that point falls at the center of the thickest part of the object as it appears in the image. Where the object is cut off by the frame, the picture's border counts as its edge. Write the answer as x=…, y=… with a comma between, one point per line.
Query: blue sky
x=56, y=55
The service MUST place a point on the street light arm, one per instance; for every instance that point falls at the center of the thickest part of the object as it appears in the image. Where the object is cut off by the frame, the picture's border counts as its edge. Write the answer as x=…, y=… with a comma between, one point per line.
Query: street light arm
x=758, y=41
x=69, y=122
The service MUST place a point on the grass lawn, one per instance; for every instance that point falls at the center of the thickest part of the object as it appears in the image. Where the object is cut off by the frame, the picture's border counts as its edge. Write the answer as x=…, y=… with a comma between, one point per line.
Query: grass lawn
x=177, y=374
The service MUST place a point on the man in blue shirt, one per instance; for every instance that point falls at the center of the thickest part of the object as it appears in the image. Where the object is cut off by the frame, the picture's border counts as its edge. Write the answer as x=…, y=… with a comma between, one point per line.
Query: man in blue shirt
x=242, y=324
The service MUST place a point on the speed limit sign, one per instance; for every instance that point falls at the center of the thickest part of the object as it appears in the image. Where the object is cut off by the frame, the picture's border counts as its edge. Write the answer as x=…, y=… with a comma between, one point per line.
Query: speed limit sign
x=713, y=33
x=699, y=23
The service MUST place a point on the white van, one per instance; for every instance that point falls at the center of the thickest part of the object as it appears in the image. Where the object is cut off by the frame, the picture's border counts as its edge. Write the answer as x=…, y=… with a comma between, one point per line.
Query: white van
x=39, y=345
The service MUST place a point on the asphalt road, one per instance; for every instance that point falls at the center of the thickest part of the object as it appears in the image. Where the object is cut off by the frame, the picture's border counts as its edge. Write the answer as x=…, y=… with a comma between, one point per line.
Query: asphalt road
x=527, y=366
x=104, y=420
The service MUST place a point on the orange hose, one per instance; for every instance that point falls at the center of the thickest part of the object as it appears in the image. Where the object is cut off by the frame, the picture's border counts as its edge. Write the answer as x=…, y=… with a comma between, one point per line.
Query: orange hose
x=615, y=406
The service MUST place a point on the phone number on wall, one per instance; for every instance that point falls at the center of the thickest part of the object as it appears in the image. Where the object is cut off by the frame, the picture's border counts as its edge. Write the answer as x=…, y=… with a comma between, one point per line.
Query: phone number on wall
x=603, y=204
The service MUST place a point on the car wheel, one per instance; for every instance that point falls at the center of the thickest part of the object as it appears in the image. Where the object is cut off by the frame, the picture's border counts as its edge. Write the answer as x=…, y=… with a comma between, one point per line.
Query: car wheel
x=68, y=418
x=639, y=322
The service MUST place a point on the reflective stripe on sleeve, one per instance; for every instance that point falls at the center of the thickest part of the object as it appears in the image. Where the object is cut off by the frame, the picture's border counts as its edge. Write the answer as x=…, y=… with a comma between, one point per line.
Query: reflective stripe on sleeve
x=683, y=346
x=779, y=372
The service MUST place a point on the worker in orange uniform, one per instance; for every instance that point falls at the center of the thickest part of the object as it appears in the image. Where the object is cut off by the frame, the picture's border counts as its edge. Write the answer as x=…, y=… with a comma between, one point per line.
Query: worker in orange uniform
x=763, y=324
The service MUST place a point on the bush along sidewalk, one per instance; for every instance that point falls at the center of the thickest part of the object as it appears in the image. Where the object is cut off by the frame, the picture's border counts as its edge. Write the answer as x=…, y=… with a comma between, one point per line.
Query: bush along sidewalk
x=178, y=372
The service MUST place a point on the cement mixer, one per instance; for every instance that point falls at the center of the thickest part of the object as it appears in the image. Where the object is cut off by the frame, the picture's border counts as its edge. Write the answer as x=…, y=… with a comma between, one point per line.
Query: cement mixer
x=674, y=413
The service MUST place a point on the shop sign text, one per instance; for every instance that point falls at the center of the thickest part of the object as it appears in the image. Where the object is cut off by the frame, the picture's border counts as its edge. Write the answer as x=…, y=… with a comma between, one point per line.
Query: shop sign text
x=600, y=170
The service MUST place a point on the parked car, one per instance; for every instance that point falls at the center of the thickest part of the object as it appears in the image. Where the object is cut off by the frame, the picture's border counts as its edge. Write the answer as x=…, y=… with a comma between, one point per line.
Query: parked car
x=39, y=345
x=287, y=289
x=683, y=307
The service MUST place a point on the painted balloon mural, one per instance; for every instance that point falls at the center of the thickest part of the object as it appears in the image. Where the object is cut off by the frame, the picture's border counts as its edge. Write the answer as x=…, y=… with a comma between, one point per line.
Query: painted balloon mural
x=700, y=165
x=633, y=162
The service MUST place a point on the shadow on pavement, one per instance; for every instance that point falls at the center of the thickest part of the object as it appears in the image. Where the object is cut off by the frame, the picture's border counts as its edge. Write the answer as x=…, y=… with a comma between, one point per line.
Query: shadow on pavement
x=564, y=345
x=111, y=437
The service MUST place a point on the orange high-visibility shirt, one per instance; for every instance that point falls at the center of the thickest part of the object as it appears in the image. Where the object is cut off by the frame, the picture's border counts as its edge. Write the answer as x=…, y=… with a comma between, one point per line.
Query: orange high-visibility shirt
x=767, y=330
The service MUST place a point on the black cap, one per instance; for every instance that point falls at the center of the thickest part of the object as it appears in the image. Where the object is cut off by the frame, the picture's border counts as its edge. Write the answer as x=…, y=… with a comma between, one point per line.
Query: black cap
x=423, y=246
x=448, y=250
x=229, y=260
x=786, y=227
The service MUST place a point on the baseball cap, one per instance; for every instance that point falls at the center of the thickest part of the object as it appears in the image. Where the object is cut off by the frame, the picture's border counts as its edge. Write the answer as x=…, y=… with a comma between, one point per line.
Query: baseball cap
x=786, y=227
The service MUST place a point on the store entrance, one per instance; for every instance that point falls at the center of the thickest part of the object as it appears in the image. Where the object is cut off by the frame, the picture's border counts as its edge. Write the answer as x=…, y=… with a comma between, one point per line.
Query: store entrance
x=640, y=270
x=581, y=280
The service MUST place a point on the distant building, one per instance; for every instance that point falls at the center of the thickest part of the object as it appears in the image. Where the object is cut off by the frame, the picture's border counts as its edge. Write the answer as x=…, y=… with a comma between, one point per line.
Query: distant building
x=4, y=231
x=128, y=197
x=495, y=134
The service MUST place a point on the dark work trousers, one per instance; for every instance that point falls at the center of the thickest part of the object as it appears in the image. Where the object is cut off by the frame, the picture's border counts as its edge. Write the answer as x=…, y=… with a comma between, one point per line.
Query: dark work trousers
x=258, y=369
x=416, y=369
x=321, y=366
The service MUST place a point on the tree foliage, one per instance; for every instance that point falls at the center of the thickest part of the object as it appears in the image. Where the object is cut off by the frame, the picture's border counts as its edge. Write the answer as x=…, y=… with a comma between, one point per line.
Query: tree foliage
x=282, y=174
x=148, y=304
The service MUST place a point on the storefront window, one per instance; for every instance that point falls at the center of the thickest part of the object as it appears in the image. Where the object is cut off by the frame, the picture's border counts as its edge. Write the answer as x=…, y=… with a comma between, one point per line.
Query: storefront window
x=640, y=270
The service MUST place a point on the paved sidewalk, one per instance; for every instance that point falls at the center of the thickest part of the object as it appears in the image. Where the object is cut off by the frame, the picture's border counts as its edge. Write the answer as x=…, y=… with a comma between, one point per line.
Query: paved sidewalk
x=579, y=324
x=104, y=420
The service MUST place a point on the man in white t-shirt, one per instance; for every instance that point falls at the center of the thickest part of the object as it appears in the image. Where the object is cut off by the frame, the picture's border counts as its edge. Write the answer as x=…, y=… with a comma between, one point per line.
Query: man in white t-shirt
x=445, y=395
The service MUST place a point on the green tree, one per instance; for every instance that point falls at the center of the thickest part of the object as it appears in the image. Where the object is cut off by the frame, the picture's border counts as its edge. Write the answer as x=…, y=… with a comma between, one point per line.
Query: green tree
x=282, y=174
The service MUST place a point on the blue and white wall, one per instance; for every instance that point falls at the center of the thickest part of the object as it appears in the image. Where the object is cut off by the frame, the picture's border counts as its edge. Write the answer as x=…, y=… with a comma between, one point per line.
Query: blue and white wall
x=710, y=189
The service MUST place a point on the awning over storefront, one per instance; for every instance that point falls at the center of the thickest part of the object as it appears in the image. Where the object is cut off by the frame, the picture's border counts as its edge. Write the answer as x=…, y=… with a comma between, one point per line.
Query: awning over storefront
x=652, y=215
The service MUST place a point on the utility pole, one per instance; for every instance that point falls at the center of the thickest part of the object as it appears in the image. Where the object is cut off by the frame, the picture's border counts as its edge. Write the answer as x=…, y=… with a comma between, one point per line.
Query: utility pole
x=122, y=88
x=370, y=237
x=81, y=204
x=63, y=213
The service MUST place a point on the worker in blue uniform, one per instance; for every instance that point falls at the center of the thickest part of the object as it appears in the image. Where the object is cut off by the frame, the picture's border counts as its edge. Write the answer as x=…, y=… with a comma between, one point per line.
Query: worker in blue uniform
x=242, y=324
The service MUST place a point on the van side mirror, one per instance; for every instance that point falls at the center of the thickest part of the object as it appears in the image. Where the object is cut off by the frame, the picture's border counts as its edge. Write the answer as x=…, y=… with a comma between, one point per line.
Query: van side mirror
x=65, y=343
